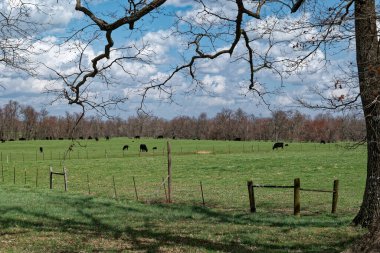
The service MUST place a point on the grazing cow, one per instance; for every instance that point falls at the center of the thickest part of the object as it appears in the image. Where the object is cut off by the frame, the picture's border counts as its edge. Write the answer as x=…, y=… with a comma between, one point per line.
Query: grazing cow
x=323, y=142
x=41, y=149
x=61, y=139
x=278, y=145
x=47, y=138
x=160, y=137
x=22, y=139
x=107, y=138
x=11, y=139
x=173, y=137
x=125, y=147
x=96, y=138
x=286, y=144
x=2, y=140
x=143, y=148
x=237, y=139
x=80, y=137
x=89, y=137
x=137, y=137
x=154, y=148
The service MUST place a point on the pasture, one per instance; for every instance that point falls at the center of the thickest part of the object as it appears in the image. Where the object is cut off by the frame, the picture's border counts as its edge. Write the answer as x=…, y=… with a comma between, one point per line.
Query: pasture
x=100, y=211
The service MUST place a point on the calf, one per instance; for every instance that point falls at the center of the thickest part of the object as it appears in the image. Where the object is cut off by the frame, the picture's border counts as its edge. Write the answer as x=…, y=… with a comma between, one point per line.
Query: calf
x=278, y=145
x=125, y=147
x=143, y=148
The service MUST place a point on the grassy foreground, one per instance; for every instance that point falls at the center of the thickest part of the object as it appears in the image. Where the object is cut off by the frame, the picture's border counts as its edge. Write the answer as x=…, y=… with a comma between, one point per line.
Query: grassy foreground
x=98, y=215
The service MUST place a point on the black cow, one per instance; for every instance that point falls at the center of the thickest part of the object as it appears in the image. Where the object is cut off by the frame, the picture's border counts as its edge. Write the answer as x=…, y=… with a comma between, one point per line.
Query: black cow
x=80, y=137
x=323, y=142
x=237, y=139
x=96, y=138
x=41, y=149
x=89, y=137
x=154, y=148
x=2, y=140
x=143, y=148
x=125, y=147
x=22, y=139
x=107, y=138
x=137, y=137
x=60, y=138
x=278, y=145
x=160, y=137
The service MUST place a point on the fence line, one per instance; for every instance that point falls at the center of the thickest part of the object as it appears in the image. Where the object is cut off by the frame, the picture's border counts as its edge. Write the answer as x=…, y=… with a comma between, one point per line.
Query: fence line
x=297, y=196
x=150, y=191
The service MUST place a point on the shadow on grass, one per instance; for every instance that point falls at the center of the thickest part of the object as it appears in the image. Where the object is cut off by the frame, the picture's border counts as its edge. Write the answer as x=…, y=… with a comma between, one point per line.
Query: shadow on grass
x=143, y=227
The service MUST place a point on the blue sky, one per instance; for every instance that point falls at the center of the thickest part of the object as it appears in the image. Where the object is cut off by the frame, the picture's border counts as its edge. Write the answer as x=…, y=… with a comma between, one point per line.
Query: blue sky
x=224, y=80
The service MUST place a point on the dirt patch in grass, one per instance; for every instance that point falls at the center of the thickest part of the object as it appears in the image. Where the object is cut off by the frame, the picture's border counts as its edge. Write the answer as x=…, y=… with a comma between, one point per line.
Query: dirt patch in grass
x=203, y=152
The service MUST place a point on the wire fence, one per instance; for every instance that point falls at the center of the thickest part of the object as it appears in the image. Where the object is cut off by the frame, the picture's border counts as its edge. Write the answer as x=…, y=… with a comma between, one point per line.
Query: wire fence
x=213, y=194
x=81, y=153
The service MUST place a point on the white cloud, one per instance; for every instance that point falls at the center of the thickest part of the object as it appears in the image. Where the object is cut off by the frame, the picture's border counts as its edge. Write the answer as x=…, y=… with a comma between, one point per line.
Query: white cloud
x=216, y=84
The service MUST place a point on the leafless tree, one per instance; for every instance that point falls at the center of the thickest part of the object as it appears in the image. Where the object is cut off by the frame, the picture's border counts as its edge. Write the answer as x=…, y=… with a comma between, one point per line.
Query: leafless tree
x=18, y=33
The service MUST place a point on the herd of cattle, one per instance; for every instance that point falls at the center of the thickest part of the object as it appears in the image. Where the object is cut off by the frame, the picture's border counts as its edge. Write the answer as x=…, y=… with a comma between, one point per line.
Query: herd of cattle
x=281, y=144
x=144, y=148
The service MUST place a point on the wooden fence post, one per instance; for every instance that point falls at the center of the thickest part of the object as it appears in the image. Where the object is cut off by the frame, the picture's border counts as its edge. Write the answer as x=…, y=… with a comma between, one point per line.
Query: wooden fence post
x=166, y=195
x=169, y=173
x=65, y=177
x=251, y=195
x=51, y=178
x=134, y=184
x=114, y=186
x=203, y=199
x=297, y=201
x=335, y=196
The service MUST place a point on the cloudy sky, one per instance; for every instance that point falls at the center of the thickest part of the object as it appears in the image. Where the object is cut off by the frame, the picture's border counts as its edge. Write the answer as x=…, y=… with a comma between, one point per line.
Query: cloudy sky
x=221, y=83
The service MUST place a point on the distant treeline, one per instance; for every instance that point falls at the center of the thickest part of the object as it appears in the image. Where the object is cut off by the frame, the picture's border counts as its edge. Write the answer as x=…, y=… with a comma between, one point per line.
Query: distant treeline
x=25, y=122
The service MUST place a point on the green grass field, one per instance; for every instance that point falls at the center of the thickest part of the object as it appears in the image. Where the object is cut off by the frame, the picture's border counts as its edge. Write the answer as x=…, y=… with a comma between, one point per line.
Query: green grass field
x=90, y=217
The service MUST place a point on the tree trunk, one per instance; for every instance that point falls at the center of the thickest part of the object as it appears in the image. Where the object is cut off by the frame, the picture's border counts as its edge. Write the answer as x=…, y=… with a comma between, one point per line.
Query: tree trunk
x=369, y=81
